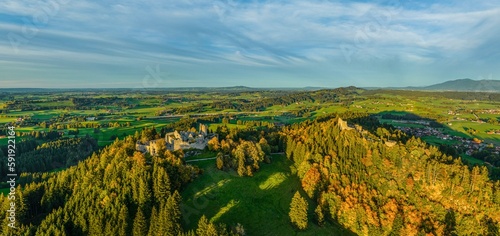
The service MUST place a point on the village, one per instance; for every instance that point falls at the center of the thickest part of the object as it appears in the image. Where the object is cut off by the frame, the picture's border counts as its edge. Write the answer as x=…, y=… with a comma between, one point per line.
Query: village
x=469, y=145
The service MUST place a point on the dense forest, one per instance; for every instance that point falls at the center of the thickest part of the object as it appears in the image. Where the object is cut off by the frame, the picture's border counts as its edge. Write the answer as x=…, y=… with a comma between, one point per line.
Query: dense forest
x=117, y=191
x=380, y=185
x=50, y=155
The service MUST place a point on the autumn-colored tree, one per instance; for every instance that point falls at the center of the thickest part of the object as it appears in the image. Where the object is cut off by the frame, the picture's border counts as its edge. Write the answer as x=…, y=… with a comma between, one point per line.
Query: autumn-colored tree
x=490, y=227
x=161, y=147
x=241, y=167
x=202, y=226
x=265, y=146
x=213, y=144
x=139, y=159
x=310, y=181
x=249, y=170
x=320, y=218
x=220, y=161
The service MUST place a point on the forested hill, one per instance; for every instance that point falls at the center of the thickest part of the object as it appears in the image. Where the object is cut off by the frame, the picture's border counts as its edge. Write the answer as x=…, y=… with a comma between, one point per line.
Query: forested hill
x=377, y=185
x=116, y=192
x=466, y=85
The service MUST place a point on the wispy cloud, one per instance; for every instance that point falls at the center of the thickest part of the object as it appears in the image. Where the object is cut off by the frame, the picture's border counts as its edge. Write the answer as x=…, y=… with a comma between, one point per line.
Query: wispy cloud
x=336, y=42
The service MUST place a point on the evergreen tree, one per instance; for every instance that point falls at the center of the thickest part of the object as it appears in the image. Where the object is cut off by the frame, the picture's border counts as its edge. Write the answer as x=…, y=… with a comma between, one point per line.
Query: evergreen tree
x=161, y=185
x=450, y=223
x=490, y=227
x=298, y=211
x=171, y=214
x=140, y=225
x=397, y=225
x=144, y=195
x=154, y=229
x=212, y=230
x=202, y=226
x=123, y=221
x=320, y=218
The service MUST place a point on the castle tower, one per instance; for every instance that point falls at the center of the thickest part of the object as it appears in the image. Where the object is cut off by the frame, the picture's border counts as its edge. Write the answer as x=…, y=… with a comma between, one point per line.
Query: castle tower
x=203, y=129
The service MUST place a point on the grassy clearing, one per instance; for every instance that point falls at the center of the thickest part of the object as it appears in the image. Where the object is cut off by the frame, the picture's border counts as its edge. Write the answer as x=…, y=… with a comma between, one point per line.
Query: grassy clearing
x=260, y=203
x=437, y=141
x=471, y=160
x=482, y=128
x=6, y=119
x=400, y=124
x=214, y=126
x=4, y=191
x=205, y=154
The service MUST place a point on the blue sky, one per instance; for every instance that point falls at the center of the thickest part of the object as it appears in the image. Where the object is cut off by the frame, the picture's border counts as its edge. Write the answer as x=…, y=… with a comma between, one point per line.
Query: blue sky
x=185, y=43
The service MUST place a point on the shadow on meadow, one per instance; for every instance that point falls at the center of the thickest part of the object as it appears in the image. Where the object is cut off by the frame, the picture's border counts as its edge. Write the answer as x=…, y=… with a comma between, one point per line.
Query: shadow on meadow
x=260, y=203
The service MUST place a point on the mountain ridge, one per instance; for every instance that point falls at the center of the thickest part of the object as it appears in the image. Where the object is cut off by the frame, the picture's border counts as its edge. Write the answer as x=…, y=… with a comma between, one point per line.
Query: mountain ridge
x=467, y=85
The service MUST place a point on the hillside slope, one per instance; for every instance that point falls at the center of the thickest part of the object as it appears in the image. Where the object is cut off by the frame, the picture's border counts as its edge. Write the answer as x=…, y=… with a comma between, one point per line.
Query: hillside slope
x=467, y=85
x=383, y=184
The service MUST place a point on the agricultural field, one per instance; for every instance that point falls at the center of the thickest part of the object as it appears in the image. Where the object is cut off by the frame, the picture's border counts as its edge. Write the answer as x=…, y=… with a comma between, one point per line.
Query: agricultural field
x=107, y=115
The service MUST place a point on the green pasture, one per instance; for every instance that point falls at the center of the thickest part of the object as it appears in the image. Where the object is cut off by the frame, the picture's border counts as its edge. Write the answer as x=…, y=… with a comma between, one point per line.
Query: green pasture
x=437, y=141
x=400, y=124
x=471, y=160
x=4, y=120
x=260, y=203
x=328, y=109
x=482, y=128
x=214, y=126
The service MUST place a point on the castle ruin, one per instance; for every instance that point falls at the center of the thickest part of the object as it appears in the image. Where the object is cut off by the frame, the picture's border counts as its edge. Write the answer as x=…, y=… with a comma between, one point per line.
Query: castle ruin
x=179, y=140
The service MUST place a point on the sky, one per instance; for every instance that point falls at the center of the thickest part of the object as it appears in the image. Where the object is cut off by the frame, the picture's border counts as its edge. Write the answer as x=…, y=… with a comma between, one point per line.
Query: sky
x=256, y=43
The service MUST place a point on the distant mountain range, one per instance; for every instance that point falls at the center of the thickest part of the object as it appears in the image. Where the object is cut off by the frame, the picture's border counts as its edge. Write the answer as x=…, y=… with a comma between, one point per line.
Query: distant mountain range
x=176, y=89
x=467, y=85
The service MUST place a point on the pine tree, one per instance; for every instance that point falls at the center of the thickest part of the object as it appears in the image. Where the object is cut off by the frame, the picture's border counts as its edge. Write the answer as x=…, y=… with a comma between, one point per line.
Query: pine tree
x=123, y=220
x=140, y=224
x=489, y=226
x=202, y=226
x=154, y=229
x=450, y=224
x=211, y=230
x=161, y=185
x=320, y=218
x=397, y=225
x=144, y=193
x=298, y=211
x=171, y=214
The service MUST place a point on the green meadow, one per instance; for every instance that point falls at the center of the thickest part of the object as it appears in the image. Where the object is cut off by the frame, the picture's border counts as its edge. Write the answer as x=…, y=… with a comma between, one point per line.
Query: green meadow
x=260, y=203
